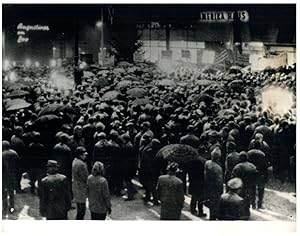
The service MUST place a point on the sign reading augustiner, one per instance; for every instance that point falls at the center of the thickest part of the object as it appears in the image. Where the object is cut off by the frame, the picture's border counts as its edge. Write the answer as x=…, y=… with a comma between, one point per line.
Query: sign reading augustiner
x=223, y=16
x=23, y=29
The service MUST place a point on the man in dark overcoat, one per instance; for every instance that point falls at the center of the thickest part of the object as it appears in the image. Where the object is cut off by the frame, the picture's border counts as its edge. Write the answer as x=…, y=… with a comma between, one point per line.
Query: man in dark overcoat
x=213, y=177
x=10, y=160
x=55, y=194
x=170, y=192
x=259, y=159
x=232, y=206
x=196, y=185
x=247, y=172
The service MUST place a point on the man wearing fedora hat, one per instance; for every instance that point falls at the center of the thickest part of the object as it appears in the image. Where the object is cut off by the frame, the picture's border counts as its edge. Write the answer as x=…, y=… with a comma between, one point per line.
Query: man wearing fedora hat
x=55, y=195
x=232, y=206
x=170, y=192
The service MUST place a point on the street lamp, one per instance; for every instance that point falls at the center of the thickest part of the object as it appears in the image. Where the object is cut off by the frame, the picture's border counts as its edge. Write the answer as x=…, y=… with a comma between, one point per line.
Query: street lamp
x=53, y=52
x=99, y=25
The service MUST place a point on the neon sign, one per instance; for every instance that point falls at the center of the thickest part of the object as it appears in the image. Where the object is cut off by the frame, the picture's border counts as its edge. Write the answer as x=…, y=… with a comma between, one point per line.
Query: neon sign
x=23, y=29
x=223, y=16
x=33, y=27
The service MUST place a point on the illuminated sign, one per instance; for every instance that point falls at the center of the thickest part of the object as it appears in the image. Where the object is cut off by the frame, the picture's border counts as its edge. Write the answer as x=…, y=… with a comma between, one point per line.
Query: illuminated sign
x=33, y=27
x=23, y=29
x=223, y=16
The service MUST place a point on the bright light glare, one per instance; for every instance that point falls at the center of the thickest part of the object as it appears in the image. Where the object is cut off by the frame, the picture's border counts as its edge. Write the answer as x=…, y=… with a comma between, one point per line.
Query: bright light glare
x=99, y=24
x=82, y=65
x=6, y=65
x=53, y=63
x=278, y=99
x=61, y=81
x=37, y=64
x=27, y=62
x=12, y=76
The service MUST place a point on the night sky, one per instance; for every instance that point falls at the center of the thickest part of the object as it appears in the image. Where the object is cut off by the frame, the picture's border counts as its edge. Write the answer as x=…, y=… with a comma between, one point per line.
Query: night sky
x=61, y=18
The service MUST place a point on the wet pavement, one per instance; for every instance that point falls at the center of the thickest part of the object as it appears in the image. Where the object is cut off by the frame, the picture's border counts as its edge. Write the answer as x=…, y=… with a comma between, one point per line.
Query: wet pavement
x=280, y=205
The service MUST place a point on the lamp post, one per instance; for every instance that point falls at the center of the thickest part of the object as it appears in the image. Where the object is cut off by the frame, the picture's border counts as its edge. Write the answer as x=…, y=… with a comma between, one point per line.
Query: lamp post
x=99, y=25
x=53, y=52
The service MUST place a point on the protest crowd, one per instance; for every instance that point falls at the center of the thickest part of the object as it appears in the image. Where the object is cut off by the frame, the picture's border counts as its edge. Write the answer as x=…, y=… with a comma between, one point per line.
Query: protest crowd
x=206, y=133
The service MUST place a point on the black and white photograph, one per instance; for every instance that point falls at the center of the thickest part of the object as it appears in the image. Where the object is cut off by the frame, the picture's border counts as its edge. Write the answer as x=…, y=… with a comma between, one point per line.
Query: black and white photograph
x=149, y=112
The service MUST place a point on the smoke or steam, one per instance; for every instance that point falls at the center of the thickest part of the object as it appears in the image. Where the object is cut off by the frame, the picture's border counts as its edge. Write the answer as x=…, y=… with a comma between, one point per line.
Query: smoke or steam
x=61, y=81
x=278, y=100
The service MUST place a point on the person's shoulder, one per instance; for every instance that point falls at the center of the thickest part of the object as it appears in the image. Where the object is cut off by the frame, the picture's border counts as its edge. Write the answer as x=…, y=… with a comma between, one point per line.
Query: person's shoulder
x=163, y=177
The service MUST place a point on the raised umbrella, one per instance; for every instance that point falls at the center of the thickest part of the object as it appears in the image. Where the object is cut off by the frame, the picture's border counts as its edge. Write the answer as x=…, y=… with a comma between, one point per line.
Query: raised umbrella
x=47, y=118
x=48, y=123
x=16, y=104
x=213, y=88
x=56, y=108
x=141, y=101
x=137, y=92
x=180, y=153
x=15, y=86
x=205, y=82
x=226, y=112
x=102, y=72
x=132, y=69
x=124, y=84
x=124, y=64
x=110, y=95
x=102, y=82
x=85, y=102
x=235, y=70
x=18, y=93
x=119, y=70
x=165, y=82
x=88, y=74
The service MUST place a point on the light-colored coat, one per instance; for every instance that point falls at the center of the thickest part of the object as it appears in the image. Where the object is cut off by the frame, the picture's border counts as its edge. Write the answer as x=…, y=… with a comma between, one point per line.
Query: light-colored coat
x=98, y=194
x=79, y=180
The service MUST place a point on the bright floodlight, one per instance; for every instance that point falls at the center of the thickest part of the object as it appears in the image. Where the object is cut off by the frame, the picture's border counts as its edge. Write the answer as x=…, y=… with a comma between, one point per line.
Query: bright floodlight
x=6, y=65
x=99, y=24
x=82, y=65
x=37, y=64
x=52, y=63
x=27, y=62
x=12, y=76
x=278, y=100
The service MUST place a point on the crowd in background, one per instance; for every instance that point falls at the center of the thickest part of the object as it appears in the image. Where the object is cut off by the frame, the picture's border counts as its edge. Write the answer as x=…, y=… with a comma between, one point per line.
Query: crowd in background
x=99, y=135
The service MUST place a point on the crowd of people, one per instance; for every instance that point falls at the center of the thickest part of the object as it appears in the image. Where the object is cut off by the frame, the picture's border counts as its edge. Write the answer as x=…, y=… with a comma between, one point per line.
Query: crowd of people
x=92, y=140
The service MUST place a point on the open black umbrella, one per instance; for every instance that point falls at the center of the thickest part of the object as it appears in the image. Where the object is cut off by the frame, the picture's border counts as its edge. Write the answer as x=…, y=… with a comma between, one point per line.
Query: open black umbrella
x=47, y=118
x=18, y=94
x=56, y=108
x=16, y=104
x=204, y=82
x=180, y=153
x=101, y=83
x=85, y=102
x=110, y=95
x=141, y=101
x=235, y=70
x=137, y=92
x=124, y=84
x=165, y=82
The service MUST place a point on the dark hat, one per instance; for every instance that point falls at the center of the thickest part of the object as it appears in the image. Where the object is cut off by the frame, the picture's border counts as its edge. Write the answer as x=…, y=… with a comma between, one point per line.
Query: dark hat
x=101, y=135
x=129, y=124
x=146, y=124
x=173, y=167
x=80, y=150
x=235, y=183
x=213, y=134
x=52, y=163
